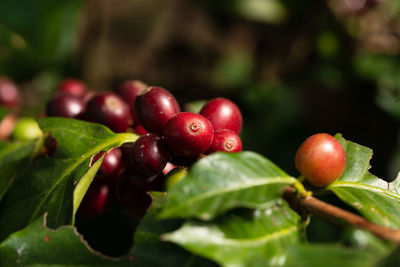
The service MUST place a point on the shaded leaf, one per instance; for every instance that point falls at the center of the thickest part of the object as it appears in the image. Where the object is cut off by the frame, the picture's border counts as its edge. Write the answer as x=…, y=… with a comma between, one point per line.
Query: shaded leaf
x=374, y=198
x=243, y=238
x=48, y=184
x=37, y=245
x=149, y=250
x=13, y=157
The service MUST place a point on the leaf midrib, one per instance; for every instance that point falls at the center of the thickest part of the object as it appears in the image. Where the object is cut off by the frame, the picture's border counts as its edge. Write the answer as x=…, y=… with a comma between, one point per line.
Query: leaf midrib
x=366, y=187
x=260, y=182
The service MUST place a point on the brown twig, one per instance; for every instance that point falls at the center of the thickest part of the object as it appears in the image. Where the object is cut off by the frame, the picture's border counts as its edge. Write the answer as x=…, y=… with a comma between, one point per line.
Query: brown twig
x=337, y=215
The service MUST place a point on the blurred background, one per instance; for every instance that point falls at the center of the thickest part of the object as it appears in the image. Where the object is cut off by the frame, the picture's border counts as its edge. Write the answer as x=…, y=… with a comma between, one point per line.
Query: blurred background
x=294, y=67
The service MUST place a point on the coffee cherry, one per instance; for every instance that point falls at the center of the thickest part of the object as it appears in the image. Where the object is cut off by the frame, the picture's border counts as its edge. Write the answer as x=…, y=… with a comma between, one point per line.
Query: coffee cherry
x=226, y=141
x=65, y=105
x=9, y=93
x=138, y=129
x=321, y=159
x=154, y=107
x=149, y=155
x=110, y=110
x=188, y=134
x=26, y=129
x=7, y=126
x=96, y=200
x=128, y=91
x=112, y=164
x=223, y=114
x=168, y=167
x=73, y=87
x=132, y=191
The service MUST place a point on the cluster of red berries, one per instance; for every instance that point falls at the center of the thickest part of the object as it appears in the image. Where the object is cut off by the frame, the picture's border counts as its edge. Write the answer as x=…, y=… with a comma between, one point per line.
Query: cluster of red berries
x=169, y=137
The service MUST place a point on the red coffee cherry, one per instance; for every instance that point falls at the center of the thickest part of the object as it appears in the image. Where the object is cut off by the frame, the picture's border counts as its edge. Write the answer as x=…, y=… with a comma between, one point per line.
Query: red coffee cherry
x=132, y=191
x=110, y=110
x=321, y=159
x=223, y=114
x=73, y=87
x=149, y=155
x=9, y=93
x=128, y=91
x=225, y=140
x=154, y=107
x=96, y=200
x=65, y=105
x=112, y=165
x=138, y=129
x=188, y=134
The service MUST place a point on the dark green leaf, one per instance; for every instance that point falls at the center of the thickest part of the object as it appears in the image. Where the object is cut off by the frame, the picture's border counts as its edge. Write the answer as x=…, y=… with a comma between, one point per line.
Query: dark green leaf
x=364, y=240
x=392, y=260
x=49, y=30
x=374, y=198
x=38, y=245
x=223, y=181
x=13, y=157
x=243, y=238
x=3, y=113
x=149, y=250
x=48, y=184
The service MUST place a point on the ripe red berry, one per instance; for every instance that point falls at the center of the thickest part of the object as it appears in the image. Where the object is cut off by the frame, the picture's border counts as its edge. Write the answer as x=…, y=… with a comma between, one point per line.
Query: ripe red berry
x=73, y=87
x=65, y=105
x=225, y=140
x=110, y=110
x=321, y=159
x=96, y=200
x=168, y=167
x=132, y=191
x=9, y=93
x=112, y=164
x=128, y=91
x=223, y=114
x=149, y=155
x=188, y=134
x=154, y=107
x=138, y=129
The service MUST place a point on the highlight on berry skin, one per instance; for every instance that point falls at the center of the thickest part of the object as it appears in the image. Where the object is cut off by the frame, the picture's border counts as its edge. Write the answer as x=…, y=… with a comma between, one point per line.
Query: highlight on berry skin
x=321, y=159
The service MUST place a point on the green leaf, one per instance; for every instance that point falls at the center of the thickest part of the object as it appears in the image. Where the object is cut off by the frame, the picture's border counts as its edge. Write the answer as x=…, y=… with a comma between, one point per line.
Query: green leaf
x=13, y=157
x=84, y=183
x=392, y=260
x=223, y=181
x=46, y=32
x=3, y=113
x=150, y=251
x=243, y=238
x=328, y=256
x=37, y=245
x=374, y=198
x=48, y=184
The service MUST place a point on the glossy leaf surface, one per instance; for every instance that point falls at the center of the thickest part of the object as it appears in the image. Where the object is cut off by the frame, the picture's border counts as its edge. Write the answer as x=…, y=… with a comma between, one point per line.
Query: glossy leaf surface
x=243, y=238
x=223, y=181
x=374, y=198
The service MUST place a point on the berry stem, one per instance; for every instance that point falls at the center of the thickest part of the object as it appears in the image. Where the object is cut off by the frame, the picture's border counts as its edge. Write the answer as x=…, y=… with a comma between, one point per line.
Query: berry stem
x=335, y=215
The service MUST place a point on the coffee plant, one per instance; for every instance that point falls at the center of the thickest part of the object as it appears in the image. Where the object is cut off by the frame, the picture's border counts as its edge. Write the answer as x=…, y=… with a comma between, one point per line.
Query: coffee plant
x=81, y=186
